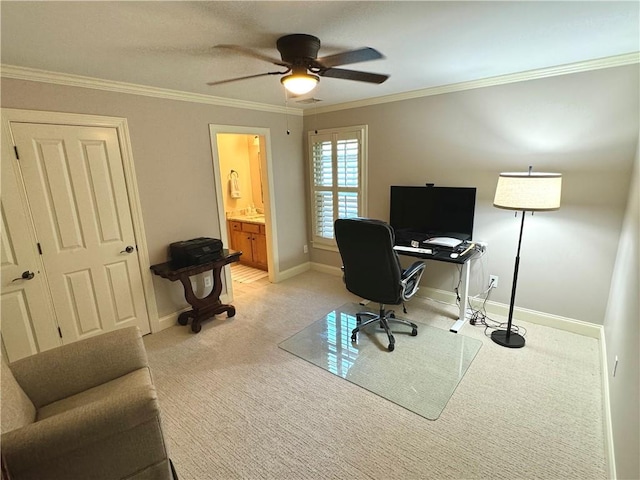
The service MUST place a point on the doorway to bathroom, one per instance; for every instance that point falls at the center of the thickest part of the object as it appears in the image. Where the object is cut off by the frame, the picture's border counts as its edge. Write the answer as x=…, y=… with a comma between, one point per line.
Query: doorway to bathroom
x=243, y=178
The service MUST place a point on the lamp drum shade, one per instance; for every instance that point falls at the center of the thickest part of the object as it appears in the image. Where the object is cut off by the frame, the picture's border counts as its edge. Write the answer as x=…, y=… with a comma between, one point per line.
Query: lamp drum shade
x=530, y=191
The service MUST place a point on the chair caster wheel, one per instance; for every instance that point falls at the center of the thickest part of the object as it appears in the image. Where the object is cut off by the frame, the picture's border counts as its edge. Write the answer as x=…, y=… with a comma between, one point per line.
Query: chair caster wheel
x=391, y=347
x=196, y=327
x=392, y=315
x=354, y=337
x=414, y=332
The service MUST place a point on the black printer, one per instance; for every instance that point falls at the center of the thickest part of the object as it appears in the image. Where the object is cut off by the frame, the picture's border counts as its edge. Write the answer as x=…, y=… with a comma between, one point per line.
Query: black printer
x=195, y=251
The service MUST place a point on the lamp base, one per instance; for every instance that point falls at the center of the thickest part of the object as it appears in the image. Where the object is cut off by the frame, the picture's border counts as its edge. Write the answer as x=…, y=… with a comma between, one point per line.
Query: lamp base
x=513, y=341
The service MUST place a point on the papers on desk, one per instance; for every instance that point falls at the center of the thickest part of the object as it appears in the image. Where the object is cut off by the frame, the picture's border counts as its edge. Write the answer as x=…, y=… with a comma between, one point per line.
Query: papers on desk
x=444, y=241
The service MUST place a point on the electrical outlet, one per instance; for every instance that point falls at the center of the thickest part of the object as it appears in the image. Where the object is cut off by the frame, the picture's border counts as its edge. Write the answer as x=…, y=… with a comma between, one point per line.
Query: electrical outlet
x=494, y=279
x=207, y=281
x=305, y=249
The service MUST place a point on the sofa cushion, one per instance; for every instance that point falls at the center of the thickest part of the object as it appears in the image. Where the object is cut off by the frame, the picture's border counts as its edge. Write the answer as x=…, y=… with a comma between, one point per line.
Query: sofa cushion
x=17, y=409
x=103, y=440
x=115, y=388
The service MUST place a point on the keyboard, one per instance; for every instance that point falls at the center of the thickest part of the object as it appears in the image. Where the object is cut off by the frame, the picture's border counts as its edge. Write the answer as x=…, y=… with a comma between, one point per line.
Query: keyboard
x=425, y=251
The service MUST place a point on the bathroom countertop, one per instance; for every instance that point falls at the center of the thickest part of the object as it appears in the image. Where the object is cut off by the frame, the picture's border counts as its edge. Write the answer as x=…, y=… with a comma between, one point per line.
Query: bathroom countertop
x=257, y=218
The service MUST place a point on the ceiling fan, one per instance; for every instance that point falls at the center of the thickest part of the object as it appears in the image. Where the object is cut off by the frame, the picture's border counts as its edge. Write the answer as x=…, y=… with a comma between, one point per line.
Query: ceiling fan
x=299, y=57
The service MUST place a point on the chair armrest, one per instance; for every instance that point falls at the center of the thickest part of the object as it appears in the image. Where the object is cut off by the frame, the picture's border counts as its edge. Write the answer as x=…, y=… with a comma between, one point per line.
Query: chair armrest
x=411, y=279
x=61, y=434
x=415, y=268
x=70, y=369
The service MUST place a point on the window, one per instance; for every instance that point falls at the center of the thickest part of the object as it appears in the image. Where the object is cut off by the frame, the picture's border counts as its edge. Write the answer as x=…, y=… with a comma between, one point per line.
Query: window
x=338, y=173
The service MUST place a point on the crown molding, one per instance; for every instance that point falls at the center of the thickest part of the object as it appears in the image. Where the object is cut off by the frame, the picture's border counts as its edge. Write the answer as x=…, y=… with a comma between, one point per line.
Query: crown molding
x=45, y=76
x=597, y=64
x=37, y=75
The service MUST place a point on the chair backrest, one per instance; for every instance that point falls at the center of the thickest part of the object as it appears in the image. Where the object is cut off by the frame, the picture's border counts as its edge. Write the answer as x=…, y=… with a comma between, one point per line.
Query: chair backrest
x=371, y=267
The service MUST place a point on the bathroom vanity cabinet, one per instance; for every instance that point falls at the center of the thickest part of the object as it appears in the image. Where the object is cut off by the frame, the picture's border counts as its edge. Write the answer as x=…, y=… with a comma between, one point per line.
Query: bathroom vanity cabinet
x=249, y=237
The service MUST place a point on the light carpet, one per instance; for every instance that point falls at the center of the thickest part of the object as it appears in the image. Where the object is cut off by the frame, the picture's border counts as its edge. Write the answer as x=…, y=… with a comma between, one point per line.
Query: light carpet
x=235, y=406
x=421, y=374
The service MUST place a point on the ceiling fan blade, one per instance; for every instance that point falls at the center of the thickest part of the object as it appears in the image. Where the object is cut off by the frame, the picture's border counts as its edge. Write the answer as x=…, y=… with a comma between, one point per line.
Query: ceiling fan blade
x=252, y=53
x=353, y=56
x=353, y=75
x=220, y=82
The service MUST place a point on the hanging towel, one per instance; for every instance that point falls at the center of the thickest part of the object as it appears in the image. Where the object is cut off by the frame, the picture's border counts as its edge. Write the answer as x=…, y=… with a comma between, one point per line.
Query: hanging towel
x=234, y=185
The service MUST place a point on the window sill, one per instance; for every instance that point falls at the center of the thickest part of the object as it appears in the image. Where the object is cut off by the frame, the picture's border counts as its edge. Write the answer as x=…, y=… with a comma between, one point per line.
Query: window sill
x=324, y=246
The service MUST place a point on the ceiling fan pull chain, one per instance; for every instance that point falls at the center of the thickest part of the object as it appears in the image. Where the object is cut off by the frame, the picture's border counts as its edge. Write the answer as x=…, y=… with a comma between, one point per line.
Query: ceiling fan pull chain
x=286, y=108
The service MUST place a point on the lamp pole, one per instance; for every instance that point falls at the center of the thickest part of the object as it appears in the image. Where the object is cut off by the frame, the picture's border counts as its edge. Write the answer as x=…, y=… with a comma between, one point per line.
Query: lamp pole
x=502, y=337
x=524, y=192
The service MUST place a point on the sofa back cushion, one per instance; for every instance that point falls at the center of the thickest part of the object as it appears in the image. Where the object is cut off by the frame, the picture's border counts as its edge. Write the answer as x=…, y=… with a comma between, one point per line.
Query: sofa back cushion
x=17, y=409
x=75, y=367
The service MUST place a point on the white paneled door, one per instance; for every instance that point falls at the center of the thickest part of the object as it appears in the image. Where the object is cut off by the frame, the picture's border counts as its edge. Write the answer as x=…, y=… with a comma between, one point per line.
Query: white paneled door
x=77, y=195
x=27, y=321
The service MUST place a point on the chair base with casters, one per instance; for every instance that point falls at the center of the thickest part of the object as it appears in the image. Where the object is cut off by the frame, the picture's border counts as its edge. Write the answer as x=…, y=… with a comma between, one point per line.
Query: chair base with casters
x=383, y=317
x=372, y=271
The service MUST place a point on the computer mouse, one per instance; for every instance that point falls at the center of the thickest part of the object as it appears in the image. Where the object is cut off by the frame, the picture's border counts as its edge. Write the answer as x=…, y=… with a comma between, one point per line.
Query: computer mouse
x=454, y=255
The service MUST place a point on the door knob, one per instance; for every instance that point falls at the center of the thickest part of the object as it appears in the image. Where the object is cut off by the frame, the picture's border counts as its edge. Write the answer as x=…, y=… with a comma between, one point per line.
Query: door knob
x=26, y=275
x=129, y=249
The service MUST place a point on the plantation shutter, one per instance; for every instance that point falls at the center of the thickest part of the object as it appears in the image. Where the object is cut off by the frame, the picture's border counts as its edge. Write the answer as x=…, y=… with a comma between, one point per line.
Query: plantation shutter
x=337, y=172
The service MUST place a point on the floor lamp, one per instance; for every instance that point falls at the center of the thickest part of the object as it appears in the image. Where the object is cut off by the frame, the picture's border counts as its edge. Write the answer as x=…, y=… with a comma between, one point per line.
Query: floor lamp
x=524, y=191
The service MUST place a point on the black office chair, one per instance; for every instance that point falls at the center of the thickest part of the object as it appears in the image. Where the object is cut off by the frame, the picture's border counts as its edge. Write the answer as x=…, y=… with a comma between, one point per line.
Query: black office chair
x=372, y=271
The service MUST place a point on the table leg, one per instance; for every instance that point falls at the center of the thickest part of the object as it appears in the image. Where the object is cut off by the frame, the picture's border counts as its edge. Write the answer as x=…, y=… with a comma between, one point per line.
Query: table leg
x=206, y=307
x=464, y=300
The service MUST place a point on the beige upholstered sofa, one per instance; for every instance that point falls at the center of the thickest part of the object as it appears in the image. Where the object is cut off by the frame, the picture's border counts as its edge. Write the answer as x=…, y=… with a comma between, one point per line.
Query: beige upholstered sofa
x=87, y=410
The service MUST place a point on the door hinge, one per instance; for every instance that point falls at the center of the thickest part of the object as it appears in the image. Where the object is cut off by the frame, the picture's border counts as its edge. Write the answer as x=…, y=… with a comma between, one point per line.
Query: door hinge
x=59, y=332
x=39, y=249
x=15, y=149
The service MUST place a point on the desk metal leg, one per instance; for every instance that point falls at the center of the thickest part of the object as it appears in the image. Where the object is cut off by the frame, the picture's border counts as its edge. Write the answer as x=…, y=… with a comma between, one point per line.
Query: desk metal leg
x=464, y=301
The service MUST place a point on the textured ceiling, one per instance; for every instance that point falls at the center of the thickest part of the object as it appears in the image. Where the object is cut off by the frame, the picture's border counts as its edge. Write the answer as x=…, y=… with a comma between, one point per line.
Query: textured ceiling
x=426, y=44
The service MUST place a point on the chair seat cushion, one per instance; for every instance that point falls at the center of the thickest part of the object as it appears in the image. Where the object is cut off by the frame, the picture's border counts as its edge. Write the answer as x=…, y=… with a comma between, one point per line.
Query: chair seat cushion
x=118, y=387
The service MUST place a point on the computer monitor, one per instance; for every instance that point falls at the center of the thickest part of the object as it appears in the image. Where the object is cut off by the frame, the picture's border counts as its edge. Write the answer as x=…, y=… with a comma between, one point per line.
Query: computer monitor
x=422, y=212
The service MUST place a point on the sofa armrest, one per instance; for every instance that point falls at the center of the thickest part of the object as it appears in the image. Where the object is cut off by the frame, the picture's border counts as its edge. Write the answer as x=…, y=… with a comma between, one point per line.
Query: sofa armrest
x=59, y=435
x=70, y=369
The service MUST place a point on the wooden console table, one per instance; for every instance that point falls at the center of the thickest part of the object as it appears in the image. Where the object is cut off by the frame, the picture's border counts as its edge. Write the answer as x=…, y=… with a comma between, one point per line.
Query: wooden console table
x=206, y=307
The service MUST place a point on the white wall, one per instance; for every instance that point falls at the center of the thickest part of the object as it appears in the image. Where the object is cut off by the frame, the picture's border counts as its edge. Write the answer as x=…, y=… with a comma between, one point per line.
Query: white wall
x=622, y=335
x=583, y=125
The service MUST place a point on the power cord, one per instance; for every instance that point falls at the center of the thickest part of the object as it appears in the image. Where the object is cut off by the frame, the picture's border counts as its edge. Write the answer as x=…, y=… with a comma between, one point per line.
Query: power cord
x=479, y=315
x=478, y=248
x=457, y=288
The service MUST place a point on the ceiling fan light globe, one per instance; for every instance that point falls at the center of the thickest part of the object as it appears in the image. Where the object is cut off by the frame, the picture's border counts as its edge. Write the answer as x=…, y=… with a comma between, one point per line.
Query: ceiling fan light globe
x=300, y=83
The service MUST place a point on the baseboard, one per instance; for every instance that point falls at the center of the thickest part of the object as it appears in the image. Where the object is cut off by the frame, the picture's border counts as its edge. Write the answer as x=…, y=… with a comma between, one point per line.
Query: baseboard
x=292, y=272
x=609, y=450
x=321, y=267
x=170, y=320
x=540, y=318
